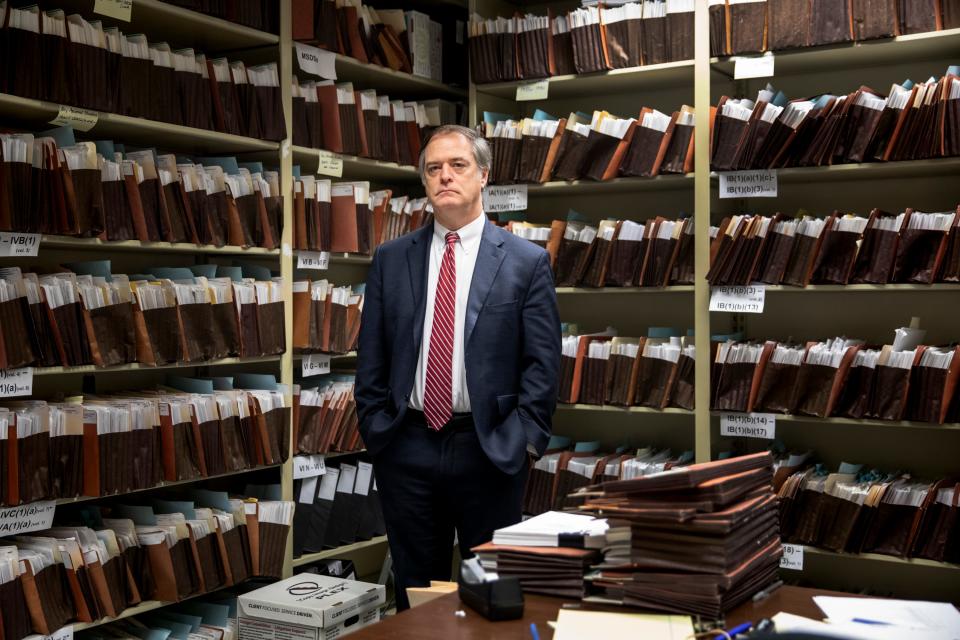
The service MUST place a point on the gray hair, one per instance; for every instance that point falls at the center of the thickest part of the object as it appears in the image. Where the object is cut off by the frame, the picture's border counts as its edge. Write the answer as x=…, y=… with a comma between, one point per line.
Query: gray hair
x=481, y=148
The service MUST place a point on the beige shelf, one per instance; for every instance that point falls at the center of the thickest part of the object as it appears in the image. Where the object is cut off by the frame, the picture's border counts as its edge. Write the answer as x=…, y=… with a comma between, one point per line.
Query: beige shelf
x=633, y=79
x=164, y=485
x=617, y=185
x=396, y=84
x=333, y=356
x=881, y=559
x=349, y=258
x=339, y=551
x=95, y=244
x=136, y=366
x=917, y=47
x=865, y=288
x=181, y=28
x=905, y=169
x=886, y=424
x=670, y=411
x=355, y=168
x=561, y=291
x=134, y=131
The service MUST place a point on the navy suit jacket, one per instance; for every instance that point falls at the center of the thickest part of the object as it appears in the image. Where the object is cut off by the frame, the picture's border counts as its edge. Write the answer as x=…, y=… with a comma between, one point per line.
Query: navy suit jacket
x=511, y=339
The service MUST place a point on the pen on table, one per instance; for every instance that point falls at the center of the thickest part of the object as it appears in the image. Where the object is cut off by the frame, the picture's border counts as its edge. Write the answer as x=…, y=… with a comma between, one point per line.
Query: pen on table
x=740, y=628
x=534, y=632
x=865, y=621
x=765, y=593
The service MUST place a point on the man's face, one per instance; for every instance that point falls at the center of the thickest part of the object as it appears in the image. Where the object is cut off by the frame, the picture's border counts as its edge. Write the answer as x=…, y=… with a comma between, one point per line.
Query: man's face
x=453, y=179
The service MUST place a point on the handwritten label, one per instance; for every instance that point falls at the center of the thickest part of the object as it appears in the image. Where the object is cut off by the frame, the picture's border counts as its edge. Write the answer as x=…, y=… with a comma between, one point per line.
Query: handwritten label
x=250, y=508
x=119, y=9
x=753, y=67
x=315, y=364
x=313, y=260
x=63, y=633
x=16, y=382
x=748, y=299
x=19, y=244
x=308, y=466
x=316, y=61
x=330, y=165
x=25, y=518
x=748, y=184
x=792, y=557
x=533, y=90
x=79, y=119
x=497, y=199
x=748, y=425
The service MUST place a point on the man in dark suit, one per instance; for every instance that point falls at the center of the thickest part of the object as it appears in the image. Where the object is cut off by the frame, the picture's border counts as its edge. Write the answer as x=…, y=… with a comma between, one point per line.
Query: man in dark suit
x=457, y=368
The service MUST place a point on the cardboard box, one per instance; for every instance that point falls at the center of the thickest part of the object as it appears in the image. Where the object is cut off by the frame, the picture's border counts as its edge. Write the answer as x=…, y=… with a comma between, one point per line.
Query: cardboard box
x=308, y=607
x=421, y=595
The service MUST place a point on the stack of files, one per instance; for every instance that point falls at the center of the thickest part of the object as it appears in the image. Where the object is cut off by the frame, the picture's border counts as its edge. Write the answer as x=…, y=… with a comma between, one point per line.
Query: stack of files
x=338, y=217
x=401, y=216
x=585, y=40
x=99, y=189
x=913, y=121
x=758, y=25
x=858, y=509
x=326, y=318
x=325, y=416
x=338, y=118
x=911, y=247
x=600, y=146
x=339, y=507
x=80, y=63
x=405, y=41
x=198, y=618
x=702, y=538
x=256, y=15
x=269, y=522
x=549, y=553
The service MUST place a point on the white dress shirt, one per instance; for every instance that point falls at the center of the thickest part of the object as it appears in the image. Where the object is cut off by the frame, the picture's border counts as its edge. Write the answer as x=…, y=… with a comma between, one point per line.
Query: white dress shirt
x=465, y=252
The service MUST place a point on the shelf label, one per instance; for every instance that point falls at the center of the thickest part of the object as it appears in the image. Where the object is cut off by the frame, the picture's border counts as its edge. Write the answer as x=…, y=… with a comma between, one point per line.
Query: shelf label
x=25, y=518
x=747, y=299
x=313, y=259
x=16, y=382
x=757, y=183
x=315, y=364
x=308, y=467
x=753, y=66
x=500, y=198
x=119, y=9
x=792, y=557
x=533, y=90
x=63, y=633
x=316, y=61
x=748, y=425
x=330, y=165
x=19, y=245
x=79, y=119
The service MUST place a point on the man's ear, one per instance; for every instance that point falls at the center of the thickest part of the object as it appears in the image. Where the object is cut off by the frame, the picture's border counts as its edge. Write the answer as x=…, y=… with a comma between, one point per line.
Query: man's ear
x=484, y=176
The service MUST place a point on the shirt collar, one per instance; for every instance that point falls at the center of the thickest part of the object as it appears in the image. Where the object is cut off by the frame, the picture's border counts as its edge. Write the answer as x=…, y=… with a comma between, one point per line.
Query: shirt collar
x=470, y=233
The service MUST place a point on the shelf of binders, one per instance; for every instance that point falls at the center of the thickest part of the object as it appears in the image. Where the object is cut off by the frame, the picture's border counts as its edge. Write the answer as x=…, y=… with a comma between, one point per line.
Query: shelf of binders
x=356, y=168
x=935, y=46
x=396, y=84
x=340, y=551
x=670, y=411
x=135, y=130
x=95, y=244
x=179, y=26
x=136, y=366
x=886, y=424
x=167, y=485
x=632, y=79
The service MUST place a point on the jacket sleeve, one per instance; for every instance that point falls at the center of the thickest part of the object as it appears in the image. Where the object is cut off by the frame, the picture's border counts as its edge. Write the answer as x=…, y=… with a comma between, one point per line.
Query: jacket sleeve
x=540, y=358
x=373, y=366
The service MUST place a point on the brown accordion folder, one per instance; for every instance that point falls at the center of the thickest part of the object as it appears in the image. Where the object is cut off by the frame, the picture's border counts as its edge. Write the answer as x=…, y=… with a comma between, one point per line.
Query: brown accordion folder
x=111, y=335
x=939, y=525
x=920, y=253
x=790, y=22
x=683, y=394
x=623, y=42
x=596, y=273
x=818, y=386
x=747, y=27
x=777, y=383
x=563, y=58
x=803, y=257
x=589, y=48
x=680, y=36
x=621, y=374
x=874, y=19
x=345, y=229
x=931, y=391
x=718, y=28
x=655, y=380
x=739, y=383
x=647, y=149
x=950, y=267
x=333, y=139
x=655, y=40
x=835, y=259
x=604, y=154
x=919, y=16
x=572, y=259
x=181, y=448
x=535, y=52
x=625, y=255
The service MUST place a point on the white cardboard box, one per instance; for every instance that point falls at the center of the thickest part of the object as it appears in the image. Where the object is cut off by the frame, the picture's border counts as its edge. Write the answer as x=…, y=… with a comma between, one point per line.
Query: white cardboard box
x=308, y=607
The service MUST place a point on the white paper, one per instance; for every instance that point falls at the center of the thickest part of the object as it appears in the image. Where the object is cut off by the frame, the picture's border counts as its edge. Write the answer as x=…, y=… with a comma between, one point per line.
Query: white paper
x=330, y=165
x=308, y=490
x=792, y=557
x=328, y=484
x=364, y=471
x=16, y=382
x=905, y=613
x=753, y=66
x=497, y=199
x=308, y=466
x=315, y=364
x=79, y=119
x=14, y=244
x=533, y=90
x=749, y=425
x=756, y=183
x=789, y=623
x=313, y=260
x=747, y=299
x=35, y=516
x=316, y=61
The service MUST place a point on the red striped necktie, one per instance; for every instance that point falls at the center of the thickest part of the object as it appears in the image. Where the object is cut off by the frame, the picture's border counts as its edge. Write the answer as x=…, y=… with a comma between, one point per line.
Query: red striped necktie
x=438, y=390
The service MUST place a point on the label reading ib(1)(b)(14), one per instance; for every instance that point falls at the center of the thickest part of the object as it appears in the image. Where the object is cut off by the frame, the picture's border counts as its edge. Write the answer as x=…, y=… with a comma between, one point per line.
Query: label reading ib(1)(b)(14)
x=759, y=183
x=747, y=299
x=748, y=425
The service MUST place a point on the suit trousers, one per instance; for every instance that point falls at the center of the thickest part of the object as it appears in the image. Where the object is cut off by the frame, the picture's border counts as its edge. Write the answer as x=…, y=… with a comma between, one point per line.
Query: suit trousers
x=433, y=483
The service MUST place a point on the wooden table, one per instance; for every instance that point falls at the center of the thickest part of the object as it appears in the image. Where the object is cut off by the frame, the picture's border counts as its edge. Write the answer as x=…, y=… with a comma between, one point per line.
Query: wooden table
x=438, y=619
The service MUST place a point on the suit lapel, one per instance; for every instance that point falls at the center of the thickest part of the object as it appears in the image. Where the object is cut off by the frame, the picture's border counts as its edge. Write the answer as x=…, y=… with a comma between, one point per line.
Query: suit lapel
x=489, y=259
x=418, y=252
